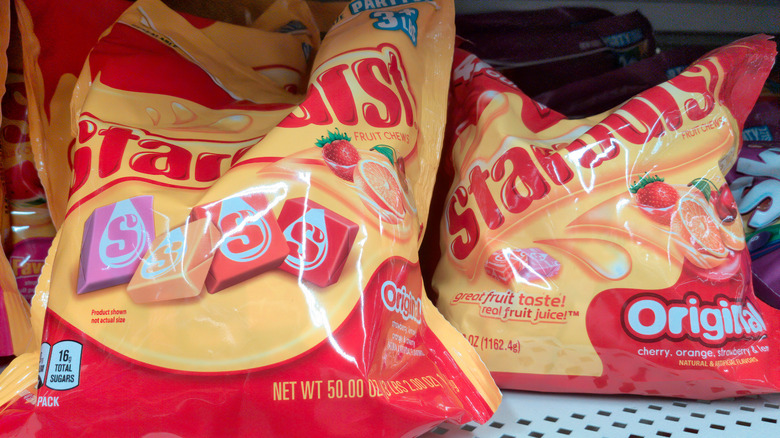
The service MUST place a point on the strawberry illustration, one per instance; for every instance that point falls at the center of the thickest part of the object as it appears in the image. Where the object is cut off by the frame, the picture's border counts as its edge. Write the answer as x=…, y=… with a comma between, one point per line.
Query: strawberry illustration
x=656, y=198
x=339, y=154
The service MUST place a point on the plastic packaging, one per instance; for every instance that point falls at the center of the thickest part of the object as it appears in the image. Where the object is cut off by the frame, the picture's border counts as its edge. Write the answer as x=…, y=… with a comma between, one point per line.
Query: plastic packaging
x=763, y=123
x=56, y=39
x=15, y=329
x=545, y=49
x=31, y=228
x=605, y=254
x=601, y=93
x=261, y=243
x=755, y=185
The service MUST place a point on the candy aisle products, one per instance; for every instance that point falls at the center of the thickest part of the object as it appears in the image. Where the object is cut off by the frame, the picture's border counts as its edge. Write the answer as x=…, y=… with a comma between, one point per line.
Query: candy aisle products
x=542, y=50
x=649, y=292
x=256, y=290
x=593, y=95
x=15, y=329
x=31, y=230
x=754, y=187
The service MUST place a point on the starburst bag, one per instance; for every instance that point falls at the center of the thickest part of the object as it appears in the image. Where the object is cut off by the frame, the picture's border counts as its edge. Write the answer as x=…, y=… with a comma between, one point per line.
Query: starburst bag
x=605, y=254
x=238, y=257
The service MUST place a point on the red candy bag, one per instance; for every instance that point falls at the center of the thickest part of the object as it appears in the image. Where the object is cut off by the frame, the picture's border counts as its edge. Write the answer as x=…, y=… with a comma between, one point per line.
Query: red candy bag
x=31, y=227
x=15, y=329
x=235, y=249
x=605, y=254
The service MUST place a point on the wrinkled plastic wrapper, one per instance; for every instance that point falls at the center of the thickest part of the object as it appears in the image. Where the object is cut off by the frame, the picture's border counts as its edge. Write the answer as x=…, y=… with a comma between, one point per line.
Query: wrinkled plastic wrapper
x=763, y=123
x=594, y=95
x=542, y=50
x=238, y=250
x=31, y=229
x=755, y=183
x=605, y=254
x=15, y=328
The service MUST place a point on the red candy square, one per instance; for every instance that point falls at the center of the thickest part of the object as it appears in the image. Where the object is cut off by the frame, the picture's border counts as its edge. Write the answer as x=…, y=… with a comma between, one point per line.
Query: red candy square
x=251, y=243
x=500, y=264
x=319, y=241
x=530, y=264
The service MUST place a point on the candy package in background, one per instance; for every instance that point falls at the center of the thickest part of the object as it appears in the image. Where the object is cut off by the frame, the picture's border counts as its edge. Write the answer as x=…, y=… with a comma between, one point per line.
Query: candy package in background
x=247, y=247
x=56, y=39
x=763, y=123
x=15, y=329
x=31, y=230
x=541, y=50
x=601, y=93
x=755, y=185
x=605, y=254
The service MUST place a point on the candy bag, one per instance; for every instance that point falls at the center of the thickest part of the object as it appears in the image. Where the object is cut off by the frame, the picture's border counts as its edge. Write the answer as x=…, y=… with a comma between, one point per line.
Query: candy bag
x=31, y=227
x=605, y=254
x=755, y=184
x=763, y=123
x=56, y=39
x=601, y=93
x=546, y=49
x=15, y=330
x=247, y=251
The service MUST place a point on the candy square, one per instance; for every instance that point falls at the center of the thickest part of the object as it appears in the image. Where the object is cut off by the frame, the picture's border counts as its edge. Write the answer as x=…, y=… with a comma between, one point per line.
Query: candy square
x=540, y=265
x=530, y=264
x=251, y=243
x=319, y=241
x=500, y=264
x=115, y=238
x=176, y=265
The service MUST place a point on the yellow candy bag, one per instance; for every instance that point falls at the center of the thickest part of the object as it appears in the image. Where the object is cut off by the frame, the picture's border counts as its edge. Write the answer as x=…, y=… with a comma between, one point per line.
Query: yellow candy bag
x=246, y=248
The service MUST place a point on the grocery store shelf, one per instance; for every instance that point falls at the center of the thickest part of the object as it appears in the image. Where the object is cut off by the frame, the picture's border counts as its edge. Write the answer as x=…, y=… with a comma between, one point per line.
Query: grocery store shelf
x=535, y=415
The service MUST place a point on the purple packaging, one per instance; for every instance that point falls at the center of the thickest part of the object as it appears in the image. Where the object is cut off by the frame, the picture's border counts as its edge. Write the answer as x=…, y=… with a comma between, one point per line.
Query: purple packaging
x=539, y=58
x=766, y=280
x=116, y=236
x=755, y=184
x=763, y=123
x=600, y=93
x=511, y=21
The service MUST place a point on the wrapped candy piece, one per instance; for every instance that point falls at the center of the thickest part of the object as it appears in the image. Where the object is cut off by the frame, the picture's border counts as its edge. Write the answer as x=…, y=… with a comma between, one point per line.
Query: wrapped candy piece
x=176, y=265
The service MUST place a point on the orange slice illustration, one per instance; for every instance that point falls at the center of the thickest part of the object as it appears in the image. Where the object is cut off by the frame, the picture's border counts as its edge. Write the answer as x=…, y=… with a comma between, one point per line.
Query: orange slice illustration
x=380, y=183
x=696, y=224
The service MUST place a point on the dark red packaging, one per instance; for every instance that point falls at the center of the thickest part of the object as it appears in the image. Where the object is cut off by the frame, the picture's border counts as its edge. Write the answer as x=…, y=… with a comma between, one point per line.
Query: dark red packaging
x=600, y=93
x=545, y=57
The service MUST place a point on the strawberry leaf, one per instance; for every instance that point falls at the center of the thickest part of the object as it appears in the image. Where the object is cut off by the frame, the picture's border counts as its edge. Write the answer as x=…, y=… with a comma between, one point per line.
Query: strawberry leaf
x=703, y=184
x=387, y=151
x=331, y=137
x=646, y=179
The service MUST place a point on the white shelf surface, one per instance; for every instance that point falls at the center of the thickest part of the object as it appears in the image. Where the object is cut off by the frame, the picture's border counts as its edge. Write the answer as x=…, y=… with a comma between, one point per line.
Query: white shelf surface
x=535, y=415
